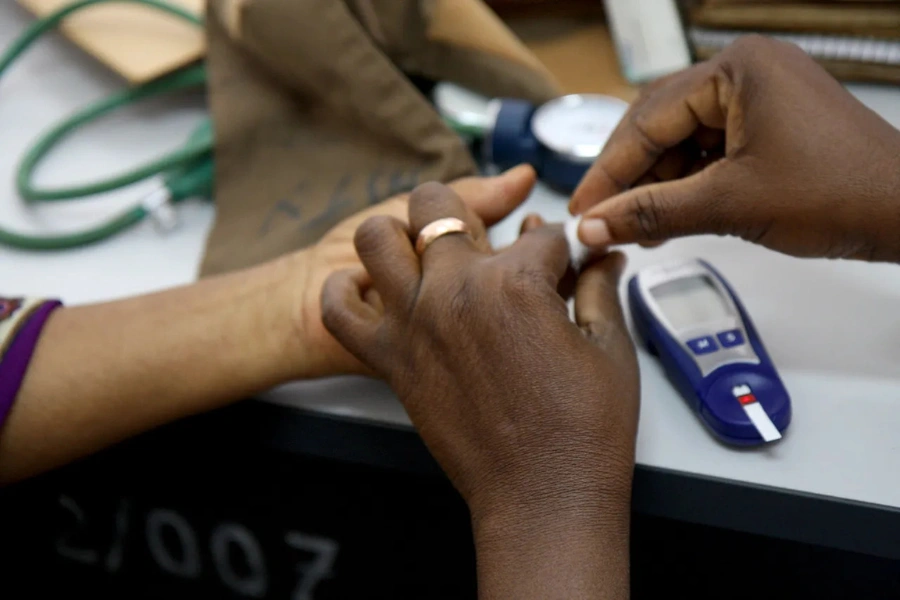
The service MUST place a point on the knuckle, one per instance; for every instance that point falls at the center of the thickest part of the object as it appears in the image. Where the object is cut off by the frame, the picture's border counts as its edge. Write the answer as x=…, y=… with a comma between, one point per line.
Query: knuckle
x=370, y=234
x=520, y=285
x=601, y=169
x=725, y=77
x=645, y=96
x=666, y=83
x=755, y=51
x=640, y=124
x=463, y=302
x=331, y=318
x=663, y=84
x=451, y=302
x=654, y=86
x=550, y=240
x=743, y=56
x=751, y=45
x=332, y=310
x=646, y=215
x=430, y=192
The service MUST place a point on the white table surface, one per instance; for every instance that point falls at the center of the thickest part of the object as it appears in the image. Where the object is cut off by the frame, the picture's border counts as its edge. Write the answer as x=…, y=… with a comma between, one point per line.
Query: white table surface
x=833, y=328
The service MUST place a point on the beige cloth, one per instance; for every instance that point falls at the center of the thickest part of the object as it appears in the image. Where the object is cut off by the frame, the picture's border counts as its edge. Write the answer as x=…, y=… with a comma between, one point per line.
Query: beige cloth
x=315, y=118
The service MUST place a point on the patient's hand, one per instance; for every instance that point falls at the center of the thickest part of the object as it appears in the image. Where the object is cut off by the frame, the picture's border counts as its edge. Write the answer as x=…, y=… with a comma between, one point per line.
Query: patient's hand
x=490, y=198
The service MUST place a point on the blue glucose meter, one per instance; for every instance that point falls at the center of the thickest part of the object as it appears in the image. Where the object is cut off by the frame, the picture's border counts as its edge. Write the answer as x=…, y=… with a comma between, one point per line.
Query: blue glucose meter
x=691, y=319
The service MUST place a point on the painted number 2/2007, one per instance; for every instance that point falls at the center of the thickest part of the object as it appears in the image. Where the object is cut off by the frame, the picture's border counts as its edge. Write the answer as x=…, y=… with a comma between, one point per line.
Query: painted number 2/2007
x=226, y=540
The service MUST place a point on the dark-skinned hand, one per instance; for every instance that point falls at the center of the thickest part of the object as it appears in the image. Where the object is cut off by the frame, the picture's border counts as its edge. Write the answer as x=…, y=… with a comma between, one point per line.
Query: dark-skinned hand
x=759, y=142
x=532, y=417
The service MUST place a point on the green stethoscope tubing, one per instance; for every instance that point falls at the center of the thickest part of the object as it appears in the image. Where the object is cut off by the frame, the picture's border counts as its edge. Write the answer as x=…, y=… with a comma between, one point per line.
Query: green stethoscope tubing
x=196, y=153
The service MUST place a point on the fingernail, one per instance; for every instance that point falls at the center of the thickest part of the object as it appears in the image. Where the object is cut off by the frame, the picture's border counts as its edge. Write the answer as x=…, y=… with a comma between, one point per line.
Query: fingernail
x=594, y=232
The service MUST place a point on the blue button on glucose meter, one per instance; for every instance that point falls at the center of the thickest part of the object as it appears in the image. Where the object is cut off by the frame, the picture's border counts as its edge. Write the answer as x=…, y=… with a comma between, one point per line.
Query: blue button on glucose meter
x=691, y=319
x=560, y=139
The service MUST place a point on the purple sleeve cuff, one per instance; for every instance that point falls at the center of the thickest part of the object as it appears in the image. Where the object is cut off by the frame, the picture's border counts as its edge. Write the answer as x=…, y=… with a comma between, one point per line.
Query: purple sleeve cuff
x=14, y=362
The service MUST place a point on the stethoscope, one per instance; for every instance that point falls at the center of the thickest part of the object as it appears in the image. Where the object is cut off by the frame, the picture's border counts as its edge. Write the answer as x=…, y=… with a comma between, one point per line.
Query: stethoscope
x=185, y=172
x=560, y=138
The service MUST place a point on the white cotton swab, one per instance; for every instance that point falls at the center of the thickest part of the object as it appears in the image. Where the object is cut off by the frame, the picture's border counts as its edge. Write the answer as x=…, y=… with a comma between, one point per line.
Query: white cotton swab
x=578, y=252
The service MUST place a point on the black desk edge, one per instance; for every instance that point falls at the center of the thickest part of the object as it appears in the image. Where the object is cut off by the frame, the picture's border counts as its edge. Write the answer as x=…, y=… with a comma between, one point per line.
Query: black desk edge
x=739, y=506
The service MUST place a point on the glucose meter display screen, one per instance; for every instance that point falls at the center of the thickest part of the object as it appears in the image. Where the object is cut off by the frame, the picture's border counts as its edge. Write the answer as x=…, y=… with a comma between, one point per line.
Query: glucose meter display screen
x=690, y=301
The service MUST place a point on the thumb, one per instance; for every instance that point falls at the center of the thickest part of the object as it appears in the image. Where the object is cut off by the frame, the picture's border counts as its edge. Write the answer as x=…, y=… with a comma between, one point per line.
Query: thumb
x=659, y=211
x=493, y=198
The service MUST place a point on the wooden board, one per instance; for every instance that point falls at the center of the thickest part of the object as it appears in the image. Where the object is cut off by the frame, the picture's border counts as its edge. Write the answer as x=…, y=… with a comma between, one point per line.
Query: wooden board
x=137, y=42
x=877, y=19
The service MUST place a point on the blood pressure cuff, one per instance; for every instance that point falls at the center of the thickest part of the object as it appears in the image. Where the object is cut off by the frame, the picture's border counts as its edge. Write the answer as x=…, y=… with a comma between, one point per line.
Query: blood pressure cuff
x=316, y=115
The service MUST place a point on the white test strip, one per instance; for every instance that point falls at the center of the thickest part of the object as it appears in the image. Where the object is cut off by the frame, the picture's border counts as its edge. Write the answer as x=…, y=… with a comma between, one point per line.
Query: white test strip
x=762, y=422
x=578, y=252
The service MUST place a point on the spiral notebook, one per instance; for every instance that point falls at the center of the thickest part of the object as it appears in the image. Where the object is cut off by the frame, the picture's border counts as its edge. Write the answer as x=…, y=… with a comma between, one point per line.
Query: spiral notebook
x=854, y=40
x=847, y=57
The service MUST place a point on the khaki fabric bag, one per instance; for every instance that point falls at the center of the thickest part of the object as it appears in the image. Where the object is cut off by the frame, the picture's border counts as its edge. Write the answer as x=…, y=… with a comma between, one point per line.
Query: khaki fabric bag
x=316, y=117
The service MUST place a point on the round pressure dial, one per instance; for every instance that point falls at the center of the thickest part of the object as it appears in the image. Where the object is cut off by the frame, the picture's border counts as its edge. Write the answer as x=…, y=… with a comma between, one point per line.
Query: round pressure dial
x=577, y=126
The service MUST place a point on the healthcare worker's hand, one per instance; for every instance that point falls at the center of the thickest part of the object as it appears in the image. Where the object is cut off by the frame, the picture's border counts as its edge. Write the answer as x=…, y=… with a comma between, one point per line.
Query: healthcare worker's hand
x=533, y=417
x=491, y=198
x=759, y=142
